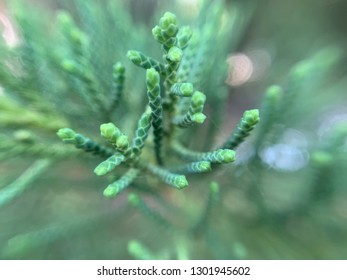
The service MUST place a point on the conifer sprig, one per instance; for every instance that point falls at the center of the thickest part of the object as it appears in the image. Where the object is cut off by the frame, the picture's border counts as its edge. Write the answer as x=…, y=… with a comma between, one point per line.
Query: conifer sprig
x=81, y=142
x=217, y=156
x=175, y=180
x=161, y=107
x=165, y=32
x=155, y=102
x=141, y=135
x=182, y=89
x=118, y=77
x=80, y=66
x=109, y=164
x=140, y=59
x=247, y=123
x=194, y=114
x=193, y=167
x=116, y=187
x=183, y=37
x=116, y=138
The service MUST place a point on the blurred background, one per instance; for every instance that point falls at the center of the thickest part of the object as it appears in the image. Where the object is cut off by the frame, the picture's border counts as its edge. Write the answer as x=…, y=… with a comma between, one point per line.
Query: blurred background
x=285, y=196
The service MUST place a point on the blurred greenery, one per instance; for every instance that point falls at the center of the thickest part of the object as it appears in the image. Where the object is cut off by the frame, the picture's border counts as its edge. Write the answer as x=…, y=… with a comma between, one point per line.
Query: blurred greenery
x=283, y=198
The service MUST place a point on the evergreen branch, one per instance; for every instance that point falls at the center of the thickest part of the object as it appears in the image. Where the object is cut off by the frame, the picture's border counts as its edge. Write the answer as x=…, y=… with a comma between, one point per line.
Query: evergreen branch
x=187, y=61
x=166, y=32
x=194, y=114
x=116, y=187
x=217, y=156
x=110, y=132
x=37, y=149
x=116, y=138
x=23, y=243
x=183, y=37
x=80, y=67
x=201, y=51
x=193, y=167
x=182, y=89
x=153, y=93
x=141, y=134
x=81, y=142
x=92, y=95
x=76, y=38
x=140, y=59
x=13, y=114
x=175, y=180
x=117, y=85
x=173, y=59
x=109, y=164
x=246, y=125
x=17, y=187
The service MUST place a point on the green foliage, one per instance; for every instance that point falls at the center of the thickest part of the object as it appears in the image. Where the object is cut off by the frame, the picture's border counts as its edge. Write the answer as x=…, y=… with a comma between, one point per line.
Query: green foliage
x=141, y=135
x=139, y=252
x=249, y=120
x=194, y=114
x=17, y=187
x=155, y=103
x=162, y=110
x=117, y=186
x=166, y=34
x=144, y=61
x=109, y=164
x=81, y=142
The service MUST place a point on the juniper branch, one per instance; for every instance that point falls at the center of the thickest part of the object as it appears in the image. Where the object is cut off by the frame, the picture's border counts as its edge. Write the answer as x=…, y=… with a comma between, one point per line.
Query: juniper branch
x=217, y=156
x=17, y=187
x=193, y=167
x=153, y=93
x=117, y=85
x=116, y=187
x=116, y=138
x=246, y=125
x=109, y=164
x=81, y=142
x=141, y=135
x=175, y=180
x=182, y=89
x=194, y=114
x=139, y=59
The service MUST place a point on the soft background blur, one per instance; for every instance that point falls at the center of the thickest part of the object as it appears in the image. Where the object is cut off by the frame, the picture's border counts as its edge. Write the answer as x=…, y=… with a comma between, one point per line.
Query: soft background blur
x=288, y=204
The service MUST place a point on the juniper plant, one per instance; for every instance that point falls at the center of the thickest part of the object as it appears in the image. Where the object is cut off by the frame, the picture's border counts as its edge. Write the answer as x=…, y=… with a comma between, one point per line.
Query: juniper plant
x=162, y=115
x=144, y=108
